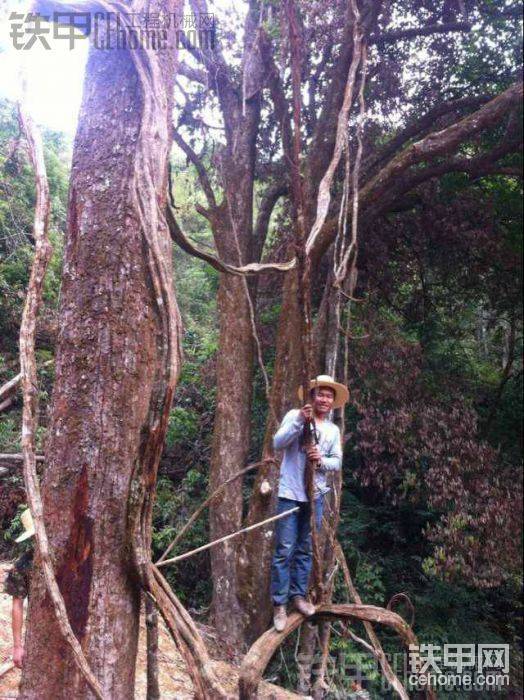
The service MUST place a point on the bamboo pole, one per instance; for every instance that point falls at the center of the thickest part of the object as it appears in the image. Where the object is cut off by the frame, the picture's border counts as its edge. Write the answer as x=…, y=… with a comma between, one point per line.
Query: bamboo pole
x=227, y=537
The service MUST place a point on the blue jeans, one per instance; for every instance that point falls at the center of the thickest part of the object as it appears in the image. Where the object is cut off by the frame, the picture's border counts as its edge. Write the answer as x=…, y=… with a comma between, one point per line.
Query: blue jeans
x=292, y=558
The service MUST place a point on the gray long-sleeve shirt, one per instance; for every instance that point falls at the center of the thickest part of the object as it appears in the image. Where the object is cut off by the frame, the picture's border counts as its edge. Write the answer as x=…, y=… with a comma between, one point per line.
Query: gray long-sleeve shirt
x=287, y=438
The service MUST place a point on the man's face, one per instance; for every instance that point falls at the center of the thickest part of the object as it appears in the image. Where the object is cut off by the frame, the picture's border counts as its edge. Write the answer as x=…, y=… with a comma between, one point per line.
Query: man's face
x=323, y=401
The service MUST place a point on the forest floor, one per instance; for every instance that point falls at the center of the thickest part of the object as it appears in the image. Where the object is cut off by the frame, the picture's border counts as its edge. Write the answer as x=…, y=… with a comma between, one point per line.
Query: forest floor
x=175, y=683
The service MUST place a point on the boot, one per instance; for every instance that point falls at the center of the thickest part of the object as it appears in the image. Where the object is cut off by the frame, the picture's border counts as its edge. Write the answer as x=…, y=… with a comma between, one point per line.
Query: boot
x=279, y=617
x=303, y=607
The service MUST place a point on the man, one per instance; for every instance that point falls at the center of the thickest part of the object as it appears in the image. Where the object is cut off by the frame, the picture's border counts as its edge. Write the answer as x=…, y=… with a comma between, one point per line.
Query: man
x=17, y=586
x=292, y=558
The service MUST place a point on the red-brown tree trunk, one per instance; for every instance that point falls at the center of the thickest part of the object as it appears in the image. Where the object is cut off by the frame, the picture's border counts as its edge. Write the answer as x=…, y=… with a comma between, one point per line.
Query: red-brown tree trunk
x=257, y=546
x=232, y=426
x=110, y=379
x=233, y=233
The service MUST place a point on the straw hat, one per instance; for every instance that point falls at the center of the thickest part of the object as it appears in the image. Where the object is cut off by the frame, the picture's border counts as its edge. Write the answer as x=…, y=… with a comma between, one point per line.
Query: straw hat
x=29, y=526
x=341, y=391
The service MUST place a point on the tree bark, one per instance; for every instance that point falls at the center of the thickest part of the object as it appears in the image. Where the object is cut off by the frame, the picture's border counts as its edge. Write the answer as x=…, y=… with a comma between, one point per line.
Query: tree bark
x=112, y=388
x=232, y=225
x=230, y=451
x=255, y=552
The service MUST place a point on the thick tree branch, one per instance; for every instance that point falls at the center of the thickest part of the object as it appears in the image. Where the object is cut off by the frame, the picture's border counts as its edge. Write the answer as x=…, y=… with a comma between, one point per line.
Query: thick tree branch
x=214, y=62
x=427, y=30
x=323, y=140
x=269, y=200
x=442, y=142
x=278, y=97
x=422, y=125
x=478, y=166
x=258, y=656
x=374, y=194
x=181, y=239
x=324, y=195
x=192, y=73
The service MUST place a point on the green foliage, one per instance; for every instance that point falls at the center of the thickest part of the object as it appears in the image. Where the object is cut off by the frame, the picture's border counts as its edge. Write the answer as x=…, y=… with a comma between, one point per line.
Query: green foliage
x=182, y=427
x=15, y=529
x=174, y=504
x=9, y=434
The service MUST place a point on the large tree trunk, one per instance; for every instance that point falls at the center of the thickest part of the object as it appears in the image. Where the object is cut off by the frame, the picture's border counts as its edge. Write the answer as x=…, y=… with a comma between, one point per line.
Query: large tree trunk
x=233, y=234
x=110, y=378
x=229, y=451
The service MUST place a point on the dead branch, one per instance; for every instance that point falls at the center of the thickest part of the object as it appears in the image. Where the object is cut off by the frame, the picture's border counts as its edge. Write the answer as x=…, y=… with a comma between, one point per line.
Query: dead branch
x=5, y=668
x=208, y=545
x=29, y=380
x=209, y=500
x=8, y=389
x=18, y=457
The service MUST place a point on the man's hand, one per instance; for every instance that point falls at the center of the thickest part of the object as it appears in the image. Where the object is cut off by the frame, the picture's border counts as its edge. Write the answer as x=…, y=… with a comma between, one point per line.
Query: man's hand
x=307, y=412
x=18, y=656
x=313, y=453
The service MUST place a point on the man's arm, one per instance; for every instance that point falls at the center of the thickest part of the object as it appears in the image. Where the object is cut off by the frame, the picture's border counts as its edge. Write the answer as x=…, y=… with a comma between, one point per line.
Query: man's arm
x=290, y=428
x=332, y=461
x=17, y=618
